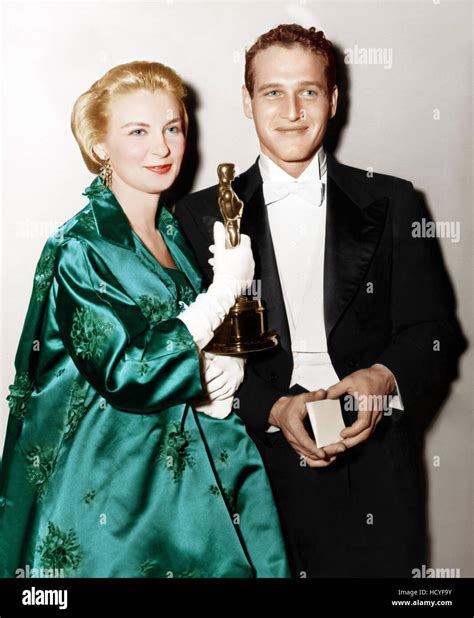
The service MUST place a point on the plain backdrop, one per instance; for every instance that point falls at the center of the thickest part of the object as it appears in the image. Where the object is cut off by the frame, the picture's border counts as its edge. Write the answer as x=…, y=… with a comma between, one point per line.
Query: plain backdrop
x=412, y=119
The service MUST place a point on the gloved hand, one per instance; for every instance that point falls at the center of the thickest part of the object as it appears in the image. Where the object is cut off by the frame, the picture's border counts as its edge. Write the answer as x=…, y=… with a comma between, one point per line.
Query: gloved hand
x=233, y=274
x=236, y=263
x=221, y=376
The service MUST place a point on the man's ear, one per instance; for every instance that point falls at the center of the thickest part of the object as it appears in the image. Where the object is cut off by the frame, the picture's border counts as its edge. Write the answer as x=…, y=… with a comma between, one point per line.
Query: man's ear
x=247, y=102
x=333, y=102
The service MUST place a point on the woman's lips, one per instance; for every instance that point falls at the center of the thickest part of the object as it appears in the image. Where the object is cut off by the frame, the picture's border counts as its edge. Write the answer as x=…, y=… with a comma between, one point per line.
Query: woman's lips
x=159, y=169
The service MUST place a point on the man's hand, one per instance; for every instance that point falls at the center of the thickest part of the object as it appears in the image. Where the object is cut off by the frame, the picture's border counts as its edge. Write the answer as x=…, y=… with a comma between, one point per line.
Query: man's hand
x=368, y=387
x=288, y=414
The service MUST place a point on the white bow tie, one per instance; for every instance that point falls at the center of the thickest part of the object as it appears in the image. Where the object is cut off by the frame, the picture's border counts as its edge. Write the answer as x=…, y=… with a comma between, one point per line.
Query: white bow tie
x=311, y=191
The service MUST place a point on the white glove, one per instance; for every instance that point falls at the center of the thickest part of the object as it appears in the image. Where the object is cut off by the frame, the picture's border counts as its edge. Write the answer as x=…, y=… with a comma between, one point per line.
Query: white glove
x=219, y=408
x=236, y=262
x=233, y=274
x=221, y=376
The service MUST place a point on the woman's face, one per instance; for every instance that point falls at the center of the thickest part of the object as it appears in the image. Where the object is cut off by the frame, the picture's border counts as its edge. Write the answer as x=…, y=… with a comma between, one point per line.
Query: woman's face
x=145, y=140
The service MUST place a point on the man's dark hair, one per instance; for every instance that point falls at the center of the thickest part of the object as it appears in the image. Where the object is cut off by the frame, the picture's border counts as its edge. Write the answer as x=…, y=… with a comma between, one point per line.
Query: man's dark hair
x=289, y=35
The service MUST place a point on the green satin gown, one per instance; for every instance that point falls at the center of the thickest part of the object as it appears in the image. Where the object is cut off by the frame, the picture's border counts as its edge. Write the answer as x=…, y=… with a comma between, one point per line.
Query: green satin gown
x=108, y=470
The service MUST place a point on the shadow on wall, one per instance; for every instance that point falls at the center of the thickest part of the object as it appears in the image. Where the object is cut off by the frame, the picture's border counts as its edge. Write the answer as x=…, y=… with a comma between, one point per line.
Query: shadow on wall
x=337, y=124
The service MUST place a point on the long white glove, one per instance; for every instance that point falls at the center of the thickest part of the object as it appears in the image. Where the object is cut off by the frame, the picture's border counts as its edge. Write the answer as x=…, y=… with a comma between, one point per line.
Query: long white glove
x=221, y=376
x=233, y=274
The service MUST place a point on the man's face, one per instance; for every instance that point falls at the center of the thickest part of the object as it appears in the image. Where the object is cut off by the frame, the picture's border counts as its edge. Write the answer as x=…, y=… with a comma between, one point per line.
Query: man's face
x=290, y=105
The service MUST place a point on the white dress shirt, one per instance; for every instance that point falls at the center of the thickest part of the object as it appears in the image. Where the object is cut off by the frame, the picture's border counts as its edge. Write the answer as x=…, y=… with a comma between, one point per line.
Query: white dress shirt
x=298, y=229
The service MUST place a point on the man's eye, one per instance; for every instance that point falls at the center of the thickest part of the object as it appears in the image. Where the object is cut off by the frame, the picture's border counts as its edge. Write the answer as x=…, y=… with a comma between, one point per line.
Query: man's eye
x=273, y=93
x=138, y=132
x=310, y=92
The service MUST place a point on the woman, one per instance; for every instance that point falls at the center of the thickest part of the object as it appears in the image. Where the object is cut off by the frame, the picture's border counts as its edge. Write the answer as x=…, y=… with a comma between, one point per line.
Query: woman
x=109, y=469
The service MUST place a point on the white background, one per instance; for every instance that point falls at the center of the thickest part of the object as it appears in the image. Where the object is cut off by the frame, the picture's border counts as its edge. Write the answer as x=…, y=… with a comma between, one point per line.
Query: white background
x=53, y=51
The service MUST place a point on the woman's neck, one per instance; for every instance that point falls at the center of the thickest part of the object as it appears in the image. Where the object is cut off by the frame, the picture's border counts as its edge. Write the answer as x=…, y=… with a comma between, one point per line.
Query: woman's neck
x=140, y=208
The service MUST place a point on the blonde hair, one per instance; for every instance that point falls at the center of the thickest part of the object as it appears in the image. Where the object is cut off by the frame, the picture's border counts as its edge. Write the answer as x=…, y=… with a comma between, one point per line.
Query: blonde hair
x=90, y=113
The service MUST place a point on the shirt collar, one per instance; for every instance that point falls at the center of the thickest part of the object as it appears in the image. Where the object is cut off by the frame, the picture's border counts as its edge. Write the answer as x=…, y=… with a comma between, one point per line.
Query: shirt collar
x=316, y=170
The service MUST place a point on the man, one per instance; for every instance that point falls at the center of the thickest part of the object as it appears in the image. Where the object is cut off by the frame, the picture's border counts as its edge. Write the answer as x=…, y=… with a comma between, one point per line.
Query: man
x=363, y=310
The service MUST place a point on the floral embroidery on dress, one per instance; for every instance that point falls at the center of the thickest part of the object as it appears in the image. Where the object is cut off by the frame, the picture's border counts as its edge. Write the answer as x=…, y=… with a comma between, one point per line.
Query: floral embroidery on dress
x=59, y=549
x=145, y=567
x=89, y=333
x=77, y=407
x=224, y=456
x=41, y=463
x=156, y=309
x=186, y=296
x=178, y=341
x=215, y=491
x=44, y=275
x=89, y=497
x=175, y=451
x=143, y=368
x=87, y=220
x=97, y=187
x=20, y=392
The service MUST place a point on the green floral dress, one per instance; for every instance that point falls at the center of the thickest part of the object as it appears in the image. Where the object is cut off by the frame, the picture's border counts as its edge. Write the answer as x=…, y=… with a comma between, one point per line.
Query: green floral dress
x=108, y=470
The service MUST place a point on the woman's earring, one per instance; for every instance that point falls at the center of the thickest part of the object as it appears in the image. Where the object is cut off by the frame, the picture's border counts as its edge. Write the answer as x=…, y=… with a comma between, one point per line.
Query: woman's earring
x=106, y=173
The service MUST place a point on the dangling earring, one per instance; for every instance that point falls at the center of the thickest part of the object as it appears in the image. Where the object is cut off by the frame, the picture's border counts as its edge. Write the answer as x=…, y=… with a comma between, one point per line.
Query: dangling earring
x=106, y=173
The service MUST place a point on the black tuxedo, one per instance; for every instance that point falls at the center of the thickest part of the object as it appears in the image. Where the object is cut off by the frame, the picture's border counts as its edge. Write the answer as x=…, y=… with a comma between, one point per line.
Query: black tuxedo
x=363, y=515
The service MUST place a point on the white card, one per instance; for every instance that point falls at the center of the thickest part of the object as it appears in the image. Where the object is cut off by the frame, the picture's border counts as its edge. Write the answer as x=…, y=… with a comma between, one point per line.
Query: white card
x=326, y=421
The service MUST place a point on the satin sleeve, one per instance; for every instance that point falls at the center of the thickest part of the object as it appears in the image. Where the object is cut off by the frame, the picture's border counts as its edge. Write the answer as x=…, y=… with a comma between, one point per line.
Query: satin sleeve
x=135, y=366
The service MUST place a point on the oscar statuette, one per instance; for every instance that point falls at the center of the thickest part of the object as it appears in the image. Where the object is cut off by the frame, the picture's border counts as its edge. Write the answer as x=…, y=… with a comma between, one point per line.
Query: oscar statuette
x=243, y=329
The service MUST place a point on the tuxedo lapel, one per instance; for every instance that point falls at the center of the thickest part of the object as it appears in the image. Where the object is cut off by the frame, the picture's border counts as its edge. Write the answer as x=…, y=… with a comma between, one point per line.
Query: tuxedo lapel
x=352, y=234
x=255, y=224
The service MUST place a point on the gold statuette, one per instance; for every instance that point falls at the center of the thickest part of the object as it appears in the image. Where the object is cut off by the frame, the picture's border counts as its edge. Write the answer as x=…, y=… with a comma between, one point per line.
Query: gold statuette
x=243, y=329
